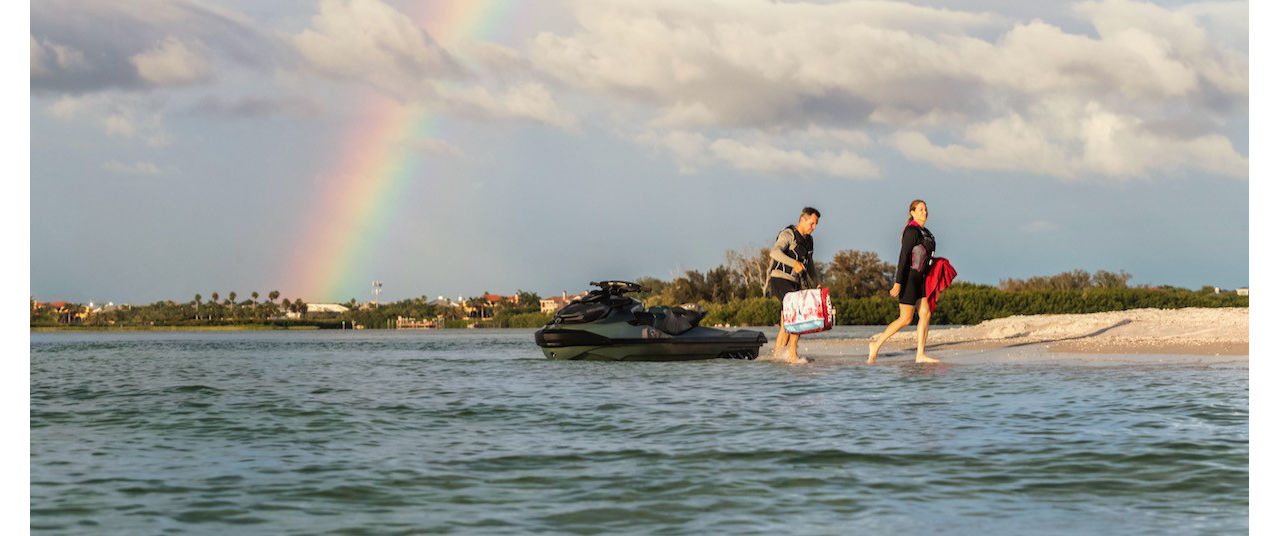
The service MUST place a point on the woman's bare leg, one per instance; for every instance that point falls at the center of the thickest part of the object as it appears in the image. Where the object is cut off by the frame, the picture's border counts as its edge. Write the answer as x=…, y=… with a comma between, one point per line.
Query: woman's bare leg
x=922, y=332
x=905, y=312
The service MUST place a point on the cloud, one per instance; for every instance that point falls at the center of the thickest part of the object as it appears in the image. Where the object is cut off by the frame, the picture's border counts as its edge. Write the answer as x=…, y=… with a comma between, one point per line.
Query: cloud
x=48, y=58
x=371, y=41
x=172, y=63
x=1070, y=140
x=135, y=169
x=139, y=44
x=66, y=108
x=254, y=106
x=1019, y=96
x=757, y=154
x=524, y=101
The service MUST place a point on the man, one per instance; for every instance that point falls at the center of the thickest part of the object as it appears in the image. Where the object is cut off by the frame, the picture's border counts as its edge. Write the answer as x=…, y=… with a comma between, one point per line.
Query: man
x=792, y=261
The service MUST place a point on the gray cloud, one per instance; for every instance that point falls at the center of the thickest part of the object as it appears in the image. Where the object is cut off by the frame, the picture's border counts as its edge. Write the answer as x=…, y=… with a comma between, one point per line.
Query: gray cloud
x=143, y=43
x=253, y=107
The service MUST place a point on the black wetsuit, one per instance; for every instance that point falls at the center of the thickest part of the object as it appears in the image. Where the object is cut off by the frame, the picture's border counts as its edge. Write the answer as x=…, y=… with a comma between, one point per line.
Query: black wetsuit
x=914, y=262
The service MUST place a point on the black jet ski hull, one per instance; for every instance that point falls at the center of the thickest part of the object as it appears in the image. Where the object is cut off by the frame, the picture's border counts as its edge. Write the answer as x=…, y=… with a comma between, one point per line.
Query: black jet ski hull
x=572, y=344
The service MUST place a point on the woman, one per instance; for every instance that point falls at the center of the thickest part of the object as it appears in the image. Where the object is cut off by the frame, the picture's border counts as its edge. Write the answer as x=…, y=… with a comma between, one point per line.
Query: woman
x=908, y=282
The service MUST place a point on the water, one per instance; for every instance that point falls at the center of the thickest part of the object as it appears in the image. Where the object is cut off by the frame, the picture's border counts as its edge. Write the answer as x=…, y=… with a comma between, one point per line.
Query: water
x=473, y=431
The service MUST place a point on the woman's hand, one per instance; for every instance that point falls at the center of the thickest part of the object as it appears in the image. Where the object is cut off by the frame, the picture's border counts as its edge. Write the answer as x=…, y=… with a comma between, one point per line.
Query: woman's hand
x=897, y=288
x=798, y=267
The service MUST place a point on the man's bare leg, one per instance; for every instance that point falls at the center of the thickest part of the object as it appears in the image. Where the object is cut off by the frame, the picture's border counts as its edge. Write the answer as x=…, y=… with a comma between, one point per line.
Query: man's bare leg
x=905, y=312
x=780, y=342
x=792, y=356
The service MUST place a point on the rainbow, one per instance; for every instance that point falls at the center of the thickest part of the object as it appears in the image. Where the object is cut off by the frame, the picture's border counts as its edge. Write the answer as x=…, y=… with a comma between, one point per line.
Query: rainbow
x=359, y=198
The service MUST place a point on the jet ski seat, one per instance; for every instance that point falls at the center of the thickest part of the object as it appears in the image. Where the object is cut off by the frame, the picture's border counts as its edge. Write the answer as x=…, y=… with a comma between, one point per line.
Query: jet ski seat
x=670, y=320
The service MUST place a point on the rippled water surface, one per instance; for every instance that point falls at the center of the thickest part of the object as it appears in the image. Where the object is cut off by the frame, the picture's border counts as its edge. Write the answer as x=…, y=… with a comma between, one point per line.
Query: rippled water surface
x=473, y=431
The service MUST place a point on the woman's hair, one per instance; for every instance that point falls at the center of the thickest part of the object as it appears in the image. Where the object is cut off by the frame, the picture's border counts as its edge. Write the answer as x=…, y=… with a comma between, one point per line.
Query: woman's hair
x=912, y=207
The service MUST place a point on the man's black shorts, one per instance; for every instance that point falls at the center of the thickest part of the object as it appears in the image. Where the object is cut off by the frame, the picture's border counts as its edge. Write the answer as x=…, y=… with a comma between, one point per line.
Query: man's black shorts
x=779, y=287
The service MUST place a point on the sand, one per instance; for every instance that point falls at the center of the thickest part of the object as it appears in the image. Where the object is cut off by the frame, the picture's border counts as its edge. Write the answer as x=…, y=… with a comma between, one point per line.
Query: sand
x=1190, y=331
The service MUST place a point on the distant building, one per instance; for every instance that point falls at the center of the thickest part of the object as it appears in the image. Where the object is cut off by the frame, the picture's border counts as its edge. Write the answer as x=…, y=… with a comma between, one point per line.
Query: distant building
x=1242, y=291
x=442, y=301
x=320, y=310
x=555, y=303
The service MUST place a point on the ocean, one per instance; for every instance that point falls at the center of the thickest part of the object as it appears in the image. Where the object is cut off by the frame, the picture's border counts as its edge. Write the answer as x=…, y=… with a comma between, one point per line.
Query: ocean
x=473, y=431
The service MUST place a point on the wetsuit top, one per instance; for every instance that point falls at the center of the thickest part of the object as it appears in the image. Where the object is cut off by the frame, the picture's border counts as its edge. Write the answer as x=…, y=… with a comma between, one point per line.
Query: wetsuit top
x=917, y=252
x=791, y=246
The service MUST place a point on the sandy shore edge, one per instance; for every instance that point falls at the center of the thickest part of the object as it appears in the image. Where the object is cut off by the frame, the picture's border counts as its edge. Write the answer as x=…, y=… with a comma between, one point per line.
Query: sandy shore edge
x=1191, y=331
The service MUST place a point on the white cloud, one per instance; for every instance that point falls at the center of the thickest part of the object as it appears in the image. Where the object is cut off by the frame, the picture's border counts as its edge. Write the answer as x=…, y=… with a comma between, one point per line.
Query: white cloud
x=136, y=168
x=1075, y=140
x=1020, y=96
x=371, y=41
x=524, y=101
x=131, y=118
x=66, y=108
x=763, y=158
x=172, y=62
x=693, y=151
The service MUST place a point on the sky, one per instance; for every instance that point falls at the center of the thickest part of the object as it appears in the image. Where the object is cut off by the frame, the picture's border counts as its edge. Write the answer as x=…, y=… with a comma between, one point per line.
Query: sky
x=453, y=148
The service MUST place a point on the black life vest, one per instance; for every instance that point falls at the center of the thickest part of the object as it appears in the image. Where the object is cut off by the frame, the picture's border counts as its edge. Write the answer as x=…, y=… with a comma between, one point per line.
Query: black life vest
x=802, y=251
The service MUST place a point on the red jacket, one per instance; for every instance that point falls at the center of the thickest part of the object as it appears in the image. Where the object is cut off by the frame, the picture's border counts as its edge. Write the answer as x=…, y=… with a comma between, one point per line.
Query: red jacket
x=940, y=276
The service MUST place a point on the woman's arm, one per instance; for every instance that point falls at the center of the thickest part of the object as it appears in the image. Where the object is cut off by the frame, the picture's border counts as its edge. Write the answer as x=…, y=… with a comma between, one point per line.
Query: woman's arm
x=910, y=236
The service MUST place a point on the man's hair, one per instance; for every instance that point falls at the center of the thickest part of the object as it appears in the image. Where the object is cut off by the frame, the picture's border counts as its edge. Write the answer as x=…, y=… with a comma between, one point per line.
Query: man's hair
x=809, y=210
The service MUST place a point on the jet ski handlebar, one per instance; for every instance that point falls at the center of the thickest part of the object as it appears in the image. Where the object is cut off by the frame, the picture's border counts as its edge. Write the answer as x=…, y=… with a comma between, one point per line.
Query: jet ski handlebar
x=619, y=287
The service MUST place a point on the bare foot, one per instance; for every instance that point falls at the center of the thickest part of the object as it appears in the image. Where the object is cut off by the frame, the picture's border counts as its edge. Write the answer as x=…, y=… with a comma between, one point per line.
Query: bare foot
x=794, y=359
x=873, y=348
x=926, y=359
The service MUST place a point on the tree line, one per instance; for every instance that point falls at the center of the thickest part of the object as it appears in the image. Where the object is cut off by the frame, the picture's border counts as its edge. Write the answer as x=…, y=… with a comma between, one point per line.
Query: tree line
x=733, y=294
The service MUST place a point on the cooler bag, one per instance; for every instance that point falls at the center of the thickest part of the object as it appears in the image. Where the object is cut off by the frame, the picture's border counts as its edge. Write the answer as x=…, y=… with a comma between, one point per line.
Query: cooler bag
x=807, y=311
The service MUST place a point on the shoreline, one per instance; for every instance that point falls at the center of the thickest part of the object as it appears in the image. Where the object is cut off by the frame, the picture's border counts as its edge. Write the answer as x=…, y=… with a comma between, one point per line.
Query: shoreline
x=1189, y=331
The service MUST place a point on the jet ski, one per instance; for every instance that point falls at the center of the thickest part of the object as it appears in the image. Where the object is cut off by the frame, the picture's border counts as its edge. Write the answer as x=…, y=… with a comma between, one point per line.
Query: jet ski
x=608, y=325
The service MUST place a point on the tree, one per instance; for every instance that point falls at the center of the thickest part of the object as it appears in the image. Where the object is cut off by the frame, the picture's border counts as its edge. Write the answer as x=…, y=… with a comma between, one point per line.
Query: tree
x=273, y=295
x=1105, y=279
x=254, y=295
x=721, y=285
x=751, y=266
x=858, y=274
x=690, y=287
x=213, y=296
x=231, y=297
x=527, y=302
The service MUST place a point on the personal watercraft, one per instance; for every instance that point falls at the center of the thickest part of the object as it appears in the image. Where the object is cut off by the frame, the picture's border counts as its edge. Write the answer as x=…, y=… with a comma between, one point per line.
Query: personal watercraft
x=608, y=325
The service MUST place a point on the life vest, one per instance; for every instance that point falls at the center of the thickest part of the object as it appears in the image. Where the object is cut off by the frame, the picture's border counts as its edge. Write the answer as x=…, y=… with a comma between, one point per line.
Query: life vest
x=802, y=251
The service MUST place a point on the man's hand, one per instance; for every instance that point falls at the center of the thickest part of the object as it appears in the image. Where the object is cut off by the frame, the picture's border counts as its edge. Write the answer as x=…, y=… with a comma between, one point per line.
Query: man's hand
x=897, y=288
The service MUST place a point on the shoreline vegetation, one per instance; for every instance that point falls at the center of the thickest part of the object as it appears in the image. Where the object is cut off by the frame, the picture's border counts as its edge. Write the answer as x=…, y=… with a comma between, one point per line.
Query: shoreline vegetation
x=732, y=294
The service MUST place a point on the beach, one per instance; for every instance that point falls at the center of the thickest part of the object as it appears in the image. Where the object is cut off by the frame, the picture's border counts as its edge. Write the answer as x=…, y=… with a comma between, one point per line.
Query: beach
x=1189, y=331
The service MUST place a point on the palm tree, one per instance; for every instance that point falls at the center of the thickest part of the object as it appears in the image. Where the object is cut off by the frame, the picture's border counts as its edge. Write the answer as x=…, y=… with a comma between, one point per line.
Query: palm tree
x=214, y=296
x=231, y=297
x=198, y=298
x=273, y=295
x=254, y=295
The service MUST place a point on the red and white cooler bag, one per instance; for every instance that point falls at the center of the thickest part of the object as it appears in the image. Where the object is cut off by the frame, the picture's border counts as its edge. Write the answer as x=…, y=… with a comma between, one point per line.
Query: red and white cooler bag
x=807, y=311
